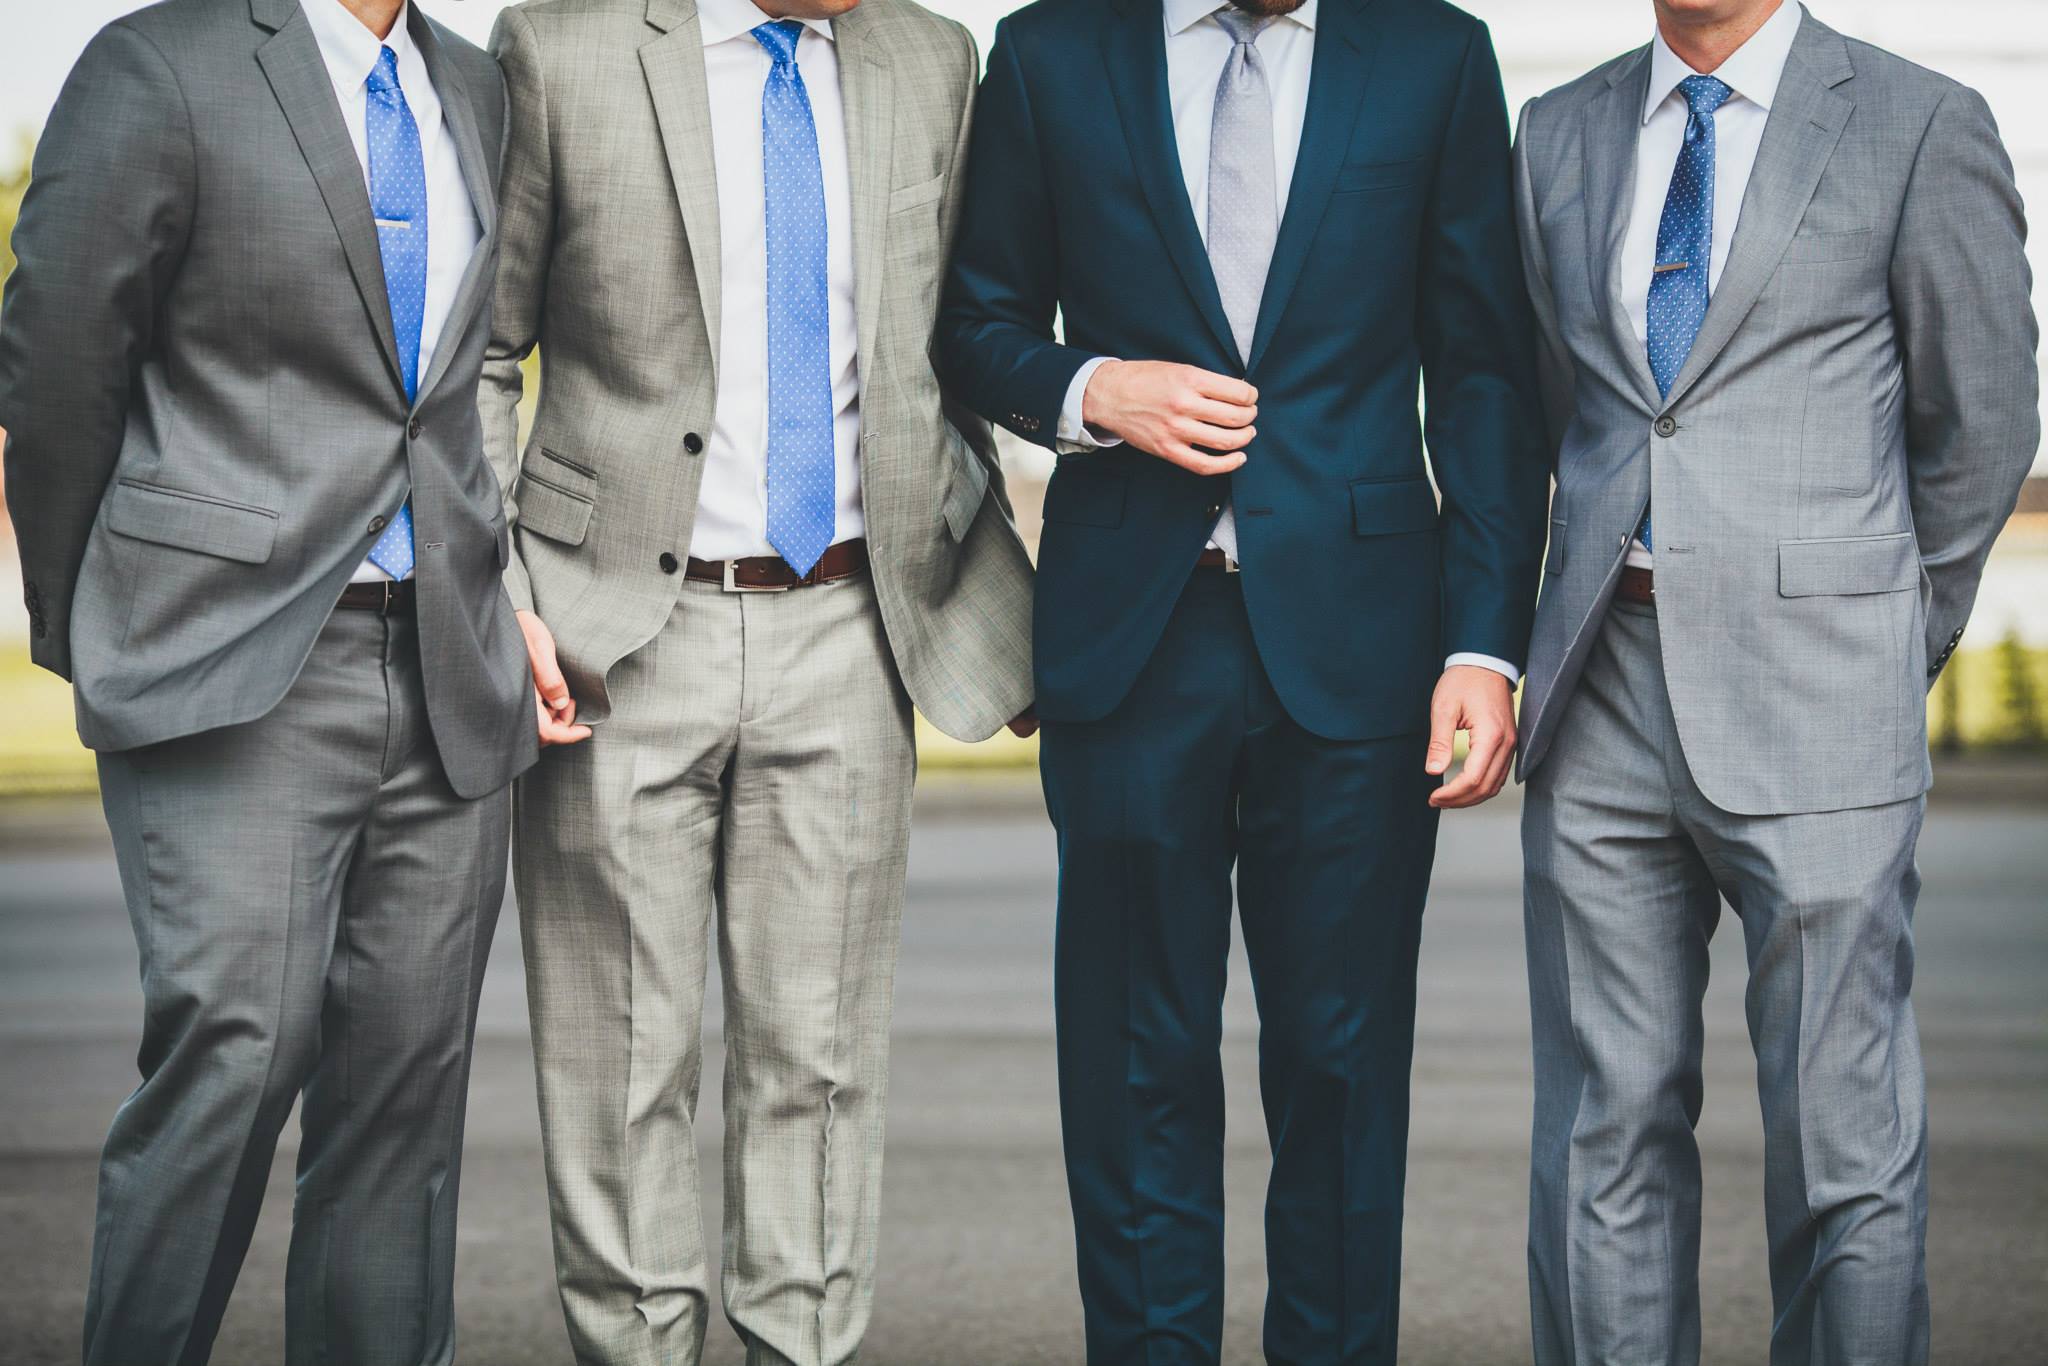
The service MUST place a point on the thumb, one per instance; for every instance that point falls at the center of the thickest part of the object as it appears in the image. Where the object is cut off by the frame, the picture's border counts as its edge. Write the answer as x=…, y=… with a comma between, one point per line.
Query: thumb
x=1443, y=727
x=547, y=672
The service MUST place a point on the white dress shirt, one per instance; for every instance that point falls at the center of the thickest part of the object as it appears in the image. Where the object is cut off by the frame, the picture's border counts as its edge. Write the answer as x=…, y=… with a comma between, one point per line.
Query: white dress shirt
x=1197, y=46
x=351, y=52
x=732, y=507
x=1753, y=73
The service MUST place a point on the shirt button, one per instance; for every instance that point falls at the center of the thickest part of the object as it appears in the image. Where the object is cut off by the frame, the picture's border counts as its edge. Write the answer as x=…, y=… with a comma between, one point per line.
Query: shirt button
x=1667, y=427
x=694, y=444
x=415, y=429
x=668, y=563
x=377, y=524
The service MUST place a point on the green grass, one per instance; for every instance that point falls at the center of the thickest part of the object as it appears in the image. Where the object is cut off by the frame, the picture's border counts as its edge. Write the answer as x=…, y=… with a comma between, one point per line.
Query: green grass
x=40, y=753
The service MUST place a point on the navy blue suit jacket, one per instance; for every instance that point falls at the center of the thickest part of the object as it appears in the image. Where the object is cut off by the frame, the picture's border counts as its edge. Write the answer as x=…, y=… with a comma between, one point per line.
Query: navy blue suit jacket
x=1396, y=261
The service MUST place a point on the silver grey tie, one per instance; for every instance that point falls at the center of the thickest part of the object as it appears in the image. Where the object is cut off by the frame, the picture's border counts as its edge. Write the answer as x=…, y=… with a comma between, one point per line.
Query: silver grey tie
x=1244, y=212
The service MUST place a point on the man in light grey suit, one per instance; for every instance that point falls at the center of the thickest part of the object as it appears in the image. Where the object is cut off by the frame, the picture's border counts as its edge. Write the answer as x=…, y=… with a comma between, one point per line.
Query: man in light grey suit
x=1791, y=387
x=238, y=369
x=749, y=536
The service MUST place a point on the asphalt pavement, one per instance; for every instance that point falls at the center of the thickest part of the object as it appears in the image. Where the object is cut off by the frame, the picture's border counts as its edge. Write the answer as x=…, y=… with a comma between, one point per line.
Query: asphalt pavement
x=977, y=1260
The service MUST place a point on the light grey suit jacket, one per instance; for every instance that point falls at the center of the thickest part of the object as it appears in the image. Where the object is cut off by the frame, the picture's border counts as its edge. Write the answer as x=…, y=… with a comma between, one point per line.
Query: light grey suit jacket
x=1845, y=442
x=200, y=385
x=611, y=266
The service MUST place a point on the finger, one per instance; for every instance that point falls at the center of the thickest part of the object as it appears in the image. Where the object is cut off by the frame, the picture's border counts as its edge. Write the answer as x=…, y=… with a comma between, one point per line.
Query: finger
x=1503, y=766
x=1464, y=789
x=1212, y=385
x=1218, y=414
x=1219, y=439
x=1443, y=728
x=547, y=677
x=553, y=734
x=1189, y=458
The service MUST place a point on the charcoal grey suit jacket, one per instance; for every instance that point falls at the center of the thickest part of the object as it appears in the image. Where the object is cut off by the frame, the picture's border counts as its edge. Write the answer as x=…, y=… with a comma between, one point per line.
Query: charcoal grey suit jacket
x=200, y=386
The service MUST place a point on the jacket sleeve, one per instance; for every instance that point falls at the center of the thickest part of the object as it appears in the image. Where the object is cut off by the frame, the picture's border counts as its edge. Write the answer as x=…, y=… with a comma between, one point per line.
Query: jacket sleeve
x=1483, y=422
x=1960, y=292
x=526, y=216
x=995, y=349
x=102, y=229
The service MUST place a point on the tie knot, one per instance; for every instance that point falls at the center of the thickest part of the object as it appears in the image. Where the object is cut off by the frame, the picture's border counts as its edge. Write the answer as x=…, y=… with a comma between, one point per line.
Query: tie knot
x=780, y=38
x=384, y=79
x=1705, y=95
x=1244, y=29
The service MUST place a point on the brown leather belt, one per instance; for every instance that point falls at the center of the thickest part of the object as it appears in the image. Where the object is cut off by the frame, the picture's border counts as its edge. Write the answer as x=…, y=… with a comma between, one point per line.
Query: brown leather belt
x=385, y=599
x=1638, y=585
x=772, y=574
x=1212, y=558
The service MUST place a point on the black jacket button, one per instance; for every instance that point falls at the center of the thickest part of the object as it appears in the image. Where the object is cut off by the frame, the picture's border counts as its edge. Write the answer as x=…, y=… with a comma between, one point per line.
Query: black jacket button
x=415, y=429
x=377, y=524
x=694, y=444
x=668, y=563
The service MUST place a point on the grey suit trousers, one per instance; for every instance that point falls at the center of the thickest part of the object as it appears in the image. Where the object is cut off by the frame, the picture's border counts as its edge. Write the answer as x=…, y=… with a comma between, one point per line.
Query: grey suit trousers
x=753, y=780
x=313, y=905
x=1627, y=867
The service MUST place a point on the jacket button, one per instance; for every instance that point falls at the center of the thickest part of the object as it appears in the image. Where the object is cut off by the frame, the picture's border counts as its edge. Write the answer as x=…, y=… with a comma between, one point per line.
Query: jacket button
x=1667, y=427
x=694, y=444
x=1215, y=509
x=668, y=563
x=415, y=428
x=377, y=524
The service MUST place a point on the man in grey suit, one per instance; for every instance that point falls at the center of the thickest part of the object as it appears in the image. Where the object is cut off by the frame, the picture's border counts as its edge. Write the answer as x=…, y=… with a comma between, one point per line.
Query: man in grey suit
x=238, y=368
x=1791, y=388
x=749, y=536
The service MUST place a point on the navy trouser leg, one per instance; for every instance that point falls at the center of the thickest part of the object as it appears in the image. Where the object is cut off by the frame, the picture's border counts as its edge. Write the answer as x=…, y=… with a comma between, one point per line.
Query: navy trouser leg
x=1144, y=803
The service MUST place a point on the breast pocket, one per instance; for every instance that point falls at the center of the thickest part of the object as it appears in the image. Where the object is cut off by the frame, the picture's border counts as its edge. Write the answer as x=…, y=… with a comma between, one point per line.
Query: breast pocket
x=1368, y=176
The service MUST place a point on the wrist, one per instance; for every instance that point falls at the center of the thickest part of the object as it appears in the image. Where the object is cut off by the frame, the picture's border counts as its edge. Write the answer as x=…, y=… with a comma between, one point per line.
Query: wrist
x=1096, y=406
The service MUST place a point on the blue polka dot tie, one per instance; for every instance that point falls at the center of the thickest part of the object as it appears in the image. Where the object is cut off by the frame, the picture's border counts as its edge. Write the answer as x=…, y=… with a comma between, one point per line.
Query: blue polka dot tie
x=803, y=495
x=1680, y=287
x=398, y=199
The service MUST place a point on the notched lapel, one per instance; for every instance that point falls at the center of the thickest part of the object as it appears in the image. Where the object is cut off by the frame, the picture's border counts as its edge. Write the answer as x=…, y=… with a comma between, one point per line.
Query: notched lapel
x=1805, y=125
x=1344, y=53
x=298, y=77
x=1134, y=48
x=1613, y=127
x=867, y=87
x=674, y=67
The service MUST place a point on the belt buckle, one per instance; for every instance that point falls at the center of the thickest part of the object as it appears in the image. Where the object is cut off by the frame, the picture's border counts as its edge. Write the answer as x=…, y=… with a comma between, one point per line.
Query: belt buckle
x=733, y=585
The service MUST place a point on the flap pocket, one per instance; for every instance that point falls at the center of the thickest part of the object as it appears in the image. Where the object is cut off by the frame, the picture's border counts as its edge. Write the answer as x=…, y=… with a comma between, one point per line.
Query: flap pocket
x=1553, y=563
x=1380, y=175
x=1848, y=567
x=1085, y=496
x=553, y=512
x=191, y=521
x=911, y=196
x=966, y=487
x=1812, y=248
x=1395, y=507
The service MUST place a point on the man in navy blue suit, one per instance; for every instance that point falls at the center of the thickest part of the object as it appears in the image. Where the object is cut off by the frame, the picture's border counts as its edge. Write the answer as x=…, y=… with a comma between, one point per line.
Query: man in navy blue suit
x=1257, y=632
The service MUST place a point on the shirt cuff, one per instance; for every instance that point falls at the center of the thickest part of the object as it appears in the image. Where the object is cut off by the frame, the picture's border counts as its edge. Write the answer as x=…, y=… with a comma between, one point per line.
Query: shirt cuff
x=1074, y=435
x=1499, y=666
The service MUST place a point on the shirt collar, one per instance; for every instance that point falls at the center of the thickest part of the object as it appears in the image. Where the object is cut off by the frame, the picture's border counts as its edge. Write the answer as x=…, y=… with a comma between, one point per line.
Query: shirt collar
x=1182, y=15
x=350, y=50
x=720, y=21
x=1753, y=72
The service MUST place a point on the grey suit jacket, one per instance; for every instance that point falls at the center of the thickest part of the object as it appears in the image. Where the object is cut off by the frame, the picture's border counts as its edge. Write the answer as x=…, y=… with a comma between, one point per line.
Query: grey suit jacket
x=611, y=266
x=201, y=391
x=1845, y=442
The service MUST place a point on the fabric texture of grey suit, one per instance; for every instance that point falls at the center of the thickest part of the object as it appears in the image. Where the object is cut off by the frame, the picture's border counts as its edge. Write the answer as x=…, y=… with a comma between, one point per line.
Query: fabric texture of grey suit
x=1839, y=452
x=1828, y=473
x=752, y=760
x=198, y=224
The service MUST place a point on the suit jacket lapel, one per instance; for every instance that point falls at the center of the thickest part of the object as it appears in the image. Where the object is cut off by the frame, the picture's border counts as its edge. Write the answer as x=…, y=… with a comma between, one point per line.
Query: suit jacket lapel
x=674, y=66
x=1134, y=46
x=868, y=87
x=298, y=77
x=1613, y=127
x=1807, y=119
x=1345, y=46
x=460, y=117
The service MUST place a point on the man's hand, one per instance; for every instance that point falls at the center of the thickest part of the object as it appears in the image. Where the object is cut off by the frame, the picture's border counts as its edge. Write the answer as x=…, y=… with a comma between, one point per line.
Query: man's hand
x=1025, y=726
x=1168, y=410
x=1480, y=702
x=555, y=709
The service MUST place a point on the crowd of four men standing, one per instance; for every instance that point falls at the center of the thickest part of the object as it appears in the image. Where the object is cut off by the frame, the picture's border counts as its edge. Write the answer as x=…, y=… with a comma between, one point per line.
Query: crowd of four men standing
x=1754, y=297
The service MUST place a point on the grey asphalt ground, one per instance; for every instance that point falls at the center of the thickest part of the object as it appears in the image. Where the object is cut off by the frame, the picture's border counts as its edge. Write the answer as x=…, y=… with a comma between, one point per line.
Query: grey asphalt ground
x=977, y=1264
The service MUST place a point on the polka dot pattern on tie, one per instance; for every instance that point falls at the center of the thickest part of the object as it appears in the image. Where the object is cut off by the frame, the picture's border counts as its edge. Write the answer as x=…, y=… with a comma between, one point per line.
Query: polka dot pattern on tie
x=398, y=201
x=803, y=490
x=1680, y=287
